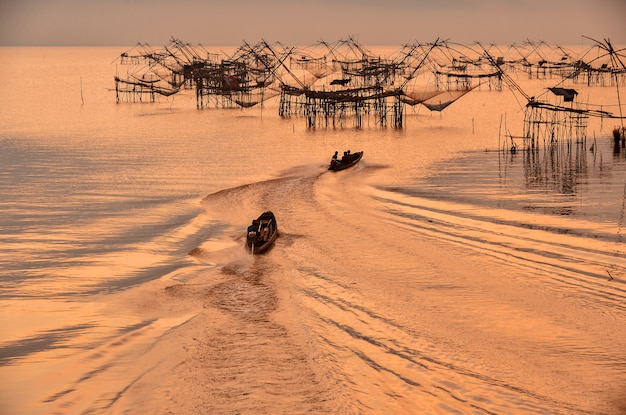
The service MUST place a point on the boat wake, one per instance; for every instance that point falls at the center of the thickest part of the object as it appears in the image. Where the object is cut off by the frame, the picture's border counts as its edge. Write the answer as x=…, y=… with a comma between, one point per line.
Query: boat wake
x=355, y=304
x=574, y=253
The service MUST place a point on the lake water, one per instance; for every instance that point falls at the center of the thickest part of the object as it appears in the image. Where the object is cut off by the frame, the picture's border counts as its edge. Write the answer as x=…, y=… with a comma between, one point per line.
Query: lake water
x=438, y=276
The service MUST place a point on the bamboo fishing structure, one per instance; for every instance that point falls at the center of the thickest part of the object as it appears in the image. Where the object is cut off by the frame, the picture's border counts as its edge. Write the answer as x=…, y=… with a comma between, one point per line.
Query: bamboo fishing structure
x=563, y=119
x=343, y=83
x=153, y=73
x=357, y=86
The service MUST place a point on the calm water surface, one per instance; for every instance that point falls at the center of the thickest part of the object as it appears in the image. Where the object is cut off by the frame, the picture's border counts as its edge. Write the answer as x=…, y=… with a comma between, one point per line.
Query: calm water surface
x=437, y=276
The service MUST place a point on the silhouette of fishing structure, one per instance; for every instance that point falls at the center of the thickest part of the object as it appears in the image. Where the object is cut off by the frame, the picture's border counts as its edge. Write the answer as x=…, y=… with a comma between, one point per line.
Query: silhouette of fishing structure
x=158, y=72
x=333, y=84
x=354, y=85
x=556, y=115
x=459, y=67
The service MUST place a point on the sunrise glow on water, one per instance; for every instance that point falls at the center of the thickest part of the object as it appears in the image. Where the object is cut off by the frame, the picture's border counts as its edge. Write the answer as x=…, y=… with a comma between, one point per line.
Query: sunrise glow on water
x=438, y=275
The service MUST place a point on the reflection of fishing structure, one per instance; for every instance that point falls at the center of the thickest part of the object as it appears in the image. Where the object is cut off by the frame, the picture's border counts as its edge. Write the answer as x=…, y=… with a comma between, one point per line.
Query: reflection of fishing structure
x=557, y=168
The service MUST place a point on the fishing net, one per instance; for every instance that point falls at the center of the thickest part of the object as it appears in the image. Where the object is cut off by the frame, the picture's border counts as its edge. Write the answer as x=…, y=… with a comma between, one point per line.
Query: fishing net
x=415, y=97
x=444, y=99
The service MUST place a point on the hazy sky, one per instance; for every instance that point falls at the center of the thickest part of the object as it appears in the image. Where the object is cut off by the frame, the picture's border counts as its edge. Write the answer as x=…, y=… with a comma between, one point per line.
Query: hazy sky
x=302, y=23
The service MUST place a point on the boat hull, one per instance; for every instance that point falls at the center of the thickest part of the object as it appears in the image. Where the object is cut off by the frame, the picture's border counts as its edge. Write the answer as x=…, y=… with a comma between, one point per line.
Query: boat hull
x=340, y=165
x=262, y=233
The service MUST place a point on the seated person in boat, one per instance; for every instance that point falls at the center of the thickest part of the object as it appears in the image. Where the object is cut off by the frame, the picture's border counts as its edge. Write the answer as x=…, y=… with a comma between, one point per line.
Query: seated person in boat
x=253, y=229
x=264, y=233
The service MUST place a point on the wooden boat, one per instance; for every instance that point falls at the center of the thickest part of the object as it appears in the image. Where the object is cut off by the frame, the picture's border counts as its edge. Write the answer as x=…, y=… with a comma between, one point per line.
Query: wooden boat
x=345, y=162
x=262, y=233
